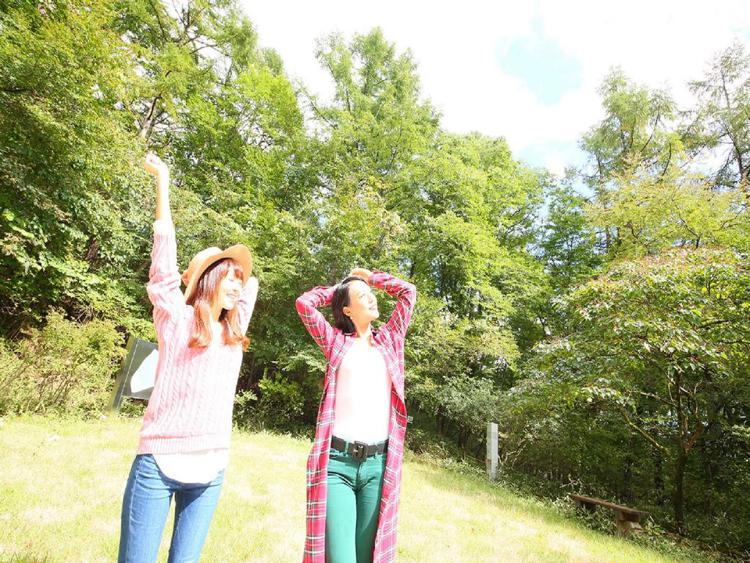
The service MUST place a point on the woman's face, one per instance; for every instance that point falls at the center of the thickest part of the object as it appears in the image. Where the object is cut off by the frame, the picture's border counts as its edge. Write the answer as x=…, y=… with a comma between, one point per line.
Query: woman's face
x=229, y=290
x=363, y=305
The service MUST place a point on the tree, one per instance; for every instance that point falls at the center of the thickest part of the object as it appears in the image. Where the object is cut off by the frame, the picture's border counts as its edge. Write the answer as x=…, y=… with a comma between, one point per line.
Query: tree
x=376, y=123
x=567, y=238
x=636, y=132
x=722, y=119
x=119, y=77
x=651, y=214
x=657, y=341
x=65, y=159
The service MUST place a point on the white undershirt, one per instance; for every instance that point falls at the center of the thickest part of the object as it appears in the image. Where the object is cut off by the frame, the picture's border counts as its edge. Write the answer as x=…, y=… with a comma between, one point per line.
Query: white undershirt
x=363, y=395
x=195, y=467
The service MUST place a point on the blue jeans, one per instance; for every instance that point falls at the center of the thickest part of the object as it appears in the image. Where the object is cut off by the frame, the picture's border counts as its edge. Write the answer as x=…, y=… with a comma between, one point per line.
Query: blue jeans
x=144, y=512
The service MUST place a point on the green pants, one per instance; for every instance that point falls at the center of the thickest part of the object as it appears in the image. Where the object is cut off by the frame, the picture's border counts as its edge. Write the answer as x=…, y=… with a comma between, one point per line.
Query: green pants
x=352, y=506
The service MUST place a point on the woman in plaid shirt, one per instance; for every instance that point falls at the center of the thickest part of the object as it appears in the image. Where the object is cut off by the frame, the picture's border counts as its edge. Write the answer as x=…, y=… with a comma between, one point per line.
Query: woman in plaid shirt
x=354, y=468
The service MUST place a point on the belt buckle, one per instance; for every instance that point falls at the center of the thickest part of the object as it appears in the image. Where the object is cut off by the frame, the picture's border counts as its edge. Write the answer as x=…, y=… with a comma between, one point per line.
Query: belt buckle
x=359, y=451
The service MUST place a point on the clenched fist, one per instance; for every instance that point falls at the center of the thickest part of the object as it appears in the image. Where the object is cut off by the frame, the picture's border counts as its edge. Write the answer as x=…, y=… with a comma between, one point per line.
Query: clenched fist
x=155, y=166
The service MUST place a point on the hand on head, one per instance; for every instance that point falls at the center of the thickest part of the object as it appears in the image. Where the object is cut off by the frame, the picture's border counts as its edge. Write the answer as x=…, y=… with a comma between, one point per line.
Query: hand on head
x=361, y=273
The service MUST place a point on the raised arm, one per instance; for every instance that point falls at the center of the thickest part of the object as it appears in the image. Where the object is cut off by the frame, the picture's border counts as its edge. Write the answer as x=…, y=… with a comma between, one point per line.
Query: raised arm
x=164, y=277
x=246, y=303
x=404, y=292
x=158, y=168
x=316, y=324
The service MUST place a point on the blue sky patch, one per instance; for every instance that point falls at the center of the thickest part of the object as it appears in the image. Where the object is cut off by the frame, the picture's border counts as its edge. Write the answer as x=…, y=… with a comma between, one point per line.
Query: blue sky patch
x=541, y=64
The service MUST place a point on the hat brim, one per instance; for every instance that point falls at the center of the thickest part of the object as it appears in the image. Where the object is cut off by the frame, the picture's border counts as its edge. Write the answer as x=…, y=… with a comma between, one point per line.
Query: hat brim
x=238, y=252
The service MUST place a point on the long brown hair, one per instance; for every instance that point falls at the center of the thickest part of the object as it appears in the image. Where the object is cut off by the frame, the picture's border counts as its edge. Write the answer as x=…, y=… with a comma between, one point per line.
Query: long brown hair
x=206, y=292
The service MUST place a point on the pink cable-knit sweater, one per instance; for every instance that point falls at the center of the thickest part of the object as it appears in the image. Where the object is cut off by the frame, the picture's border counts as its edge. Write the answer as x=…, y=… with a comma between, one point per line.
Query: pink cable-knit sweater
x=191, y=405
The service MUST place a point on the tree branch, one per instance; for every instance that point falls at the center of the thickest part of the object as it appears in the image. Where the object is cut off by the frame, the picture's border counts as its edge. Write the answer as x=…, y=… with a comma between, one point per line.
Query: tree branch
x=642, y=432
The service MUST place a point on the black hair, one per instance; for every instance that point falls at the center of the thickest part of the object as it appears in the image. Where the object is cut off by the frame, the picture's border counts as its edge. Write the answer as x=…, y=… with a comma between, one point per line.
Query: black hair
x=340, y=300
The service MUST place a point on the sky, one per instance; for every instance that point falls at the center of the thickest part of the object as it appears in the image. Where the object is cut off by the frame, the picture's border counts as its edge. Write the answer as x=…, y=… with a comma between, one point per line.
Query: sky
x=529, y=70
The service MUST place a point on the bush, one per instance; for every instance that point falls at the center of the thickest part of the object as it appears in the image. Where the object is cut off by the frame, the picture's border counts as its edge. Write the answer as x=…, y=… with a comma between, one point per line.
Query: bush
x=244, y=408
x=463, y=406
x=132, y=408
x=64, y=367
x=280, y=405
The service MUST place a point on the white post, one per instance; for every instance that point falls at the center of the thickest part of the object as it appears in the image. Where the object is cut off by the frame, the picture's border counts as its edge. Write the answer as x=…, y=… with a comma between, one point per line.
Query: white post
x=491, y=460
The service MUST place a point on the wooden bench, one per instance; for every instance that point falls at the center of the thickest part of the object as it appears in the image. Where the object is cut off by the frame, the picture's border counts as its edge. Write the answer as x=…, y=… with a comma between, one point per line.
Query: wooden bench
x=627, y=519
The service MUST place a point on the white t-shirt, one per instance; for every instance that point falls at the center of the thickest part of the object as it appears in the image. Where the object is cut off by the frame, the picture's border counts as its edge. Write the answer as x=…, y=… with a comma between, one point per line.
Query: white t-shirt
x=363, y=395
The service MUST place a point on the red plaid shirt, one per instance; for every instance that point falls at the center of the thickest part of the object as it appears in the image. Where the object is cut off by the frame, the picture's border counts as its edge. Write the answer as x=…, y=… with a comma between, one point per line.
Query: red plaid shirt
x=389, y=339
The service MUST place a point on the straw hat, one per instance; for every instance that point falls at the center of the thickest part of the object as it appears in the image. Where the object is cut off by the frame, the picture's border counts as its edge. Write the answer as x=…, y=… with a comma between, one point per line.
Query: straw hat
x=211, y=255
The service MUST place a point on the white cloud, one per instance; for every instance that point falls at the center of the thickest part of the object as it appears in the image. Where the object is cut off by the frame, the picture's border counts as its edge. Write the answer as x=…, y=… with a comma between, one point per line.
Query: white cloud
x=457, y=45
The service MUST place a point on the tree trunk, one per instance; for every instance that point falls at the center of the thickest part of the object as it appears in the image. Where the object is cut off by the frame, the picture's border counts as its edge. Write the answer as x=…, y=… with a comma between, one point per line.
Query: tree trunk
x=659, y=477
x=678, y=495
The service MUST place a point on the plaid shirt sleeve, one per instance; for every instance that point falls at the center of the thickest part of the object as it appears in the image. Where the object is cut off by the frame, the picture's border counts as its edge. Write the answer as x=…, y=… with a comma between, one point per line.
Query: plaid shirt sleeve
x=316, y=324
x=406, y=296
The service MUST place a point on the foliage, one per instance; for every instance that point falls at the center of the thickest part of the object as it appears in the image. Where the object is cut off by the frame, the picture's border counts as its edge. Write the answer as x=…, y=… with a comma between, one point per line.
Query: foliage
x=281, y=404
x=635, y=132
x=657, y=347
x=565, y=308
x=720, y=120
x=66, y=199
x=65, y=367
x=568, y=238
x=650, y=214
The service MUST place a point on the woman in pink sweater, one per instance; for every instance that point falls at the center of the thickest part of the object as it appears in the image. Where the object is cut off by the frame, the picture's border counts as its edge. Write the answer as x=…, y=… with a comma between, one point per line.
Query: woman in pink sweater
x=184, y=441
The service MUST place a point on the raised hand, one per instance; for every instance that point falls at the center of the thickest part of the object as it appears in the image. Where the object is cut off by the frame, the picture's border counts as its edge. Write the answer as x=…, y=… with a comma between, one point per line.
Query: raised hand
x=155, y=166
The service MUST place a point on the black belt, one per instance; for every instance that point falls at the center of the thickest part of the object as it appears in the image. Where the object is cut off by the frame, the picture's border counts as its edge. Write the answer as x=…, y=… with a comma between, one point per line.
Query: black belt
x=358, y=450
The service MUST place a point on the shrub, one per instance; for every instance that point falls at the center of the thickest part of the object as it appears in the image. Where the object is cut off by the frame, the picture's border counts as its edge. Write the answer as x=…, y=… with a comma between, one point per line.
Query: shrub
x=63, y=367
x=244, y=408
x=281, y=403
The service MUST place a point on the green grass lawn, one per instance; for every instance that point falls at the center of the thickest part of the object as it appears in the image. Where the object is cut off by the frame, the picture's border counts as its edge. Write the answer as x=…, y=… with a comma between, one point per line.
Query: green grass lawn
x=61, y=485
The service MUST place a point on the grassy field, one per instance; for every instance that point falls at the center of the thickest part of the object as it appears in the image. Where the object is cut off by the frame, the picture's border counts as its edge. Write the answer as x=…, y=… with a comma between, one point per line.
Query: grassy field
x=61, y=485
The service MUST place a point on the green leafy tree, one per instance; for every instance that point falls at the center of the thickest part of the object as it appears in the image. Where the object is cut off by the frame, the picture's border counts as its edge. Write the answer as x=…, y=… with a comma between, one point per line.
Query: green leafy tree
x=636, y=131
x=655, y=213
x=376, y=123
x=721, y=121
x=568, y=240
x=659, y=342
x=68, y=200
